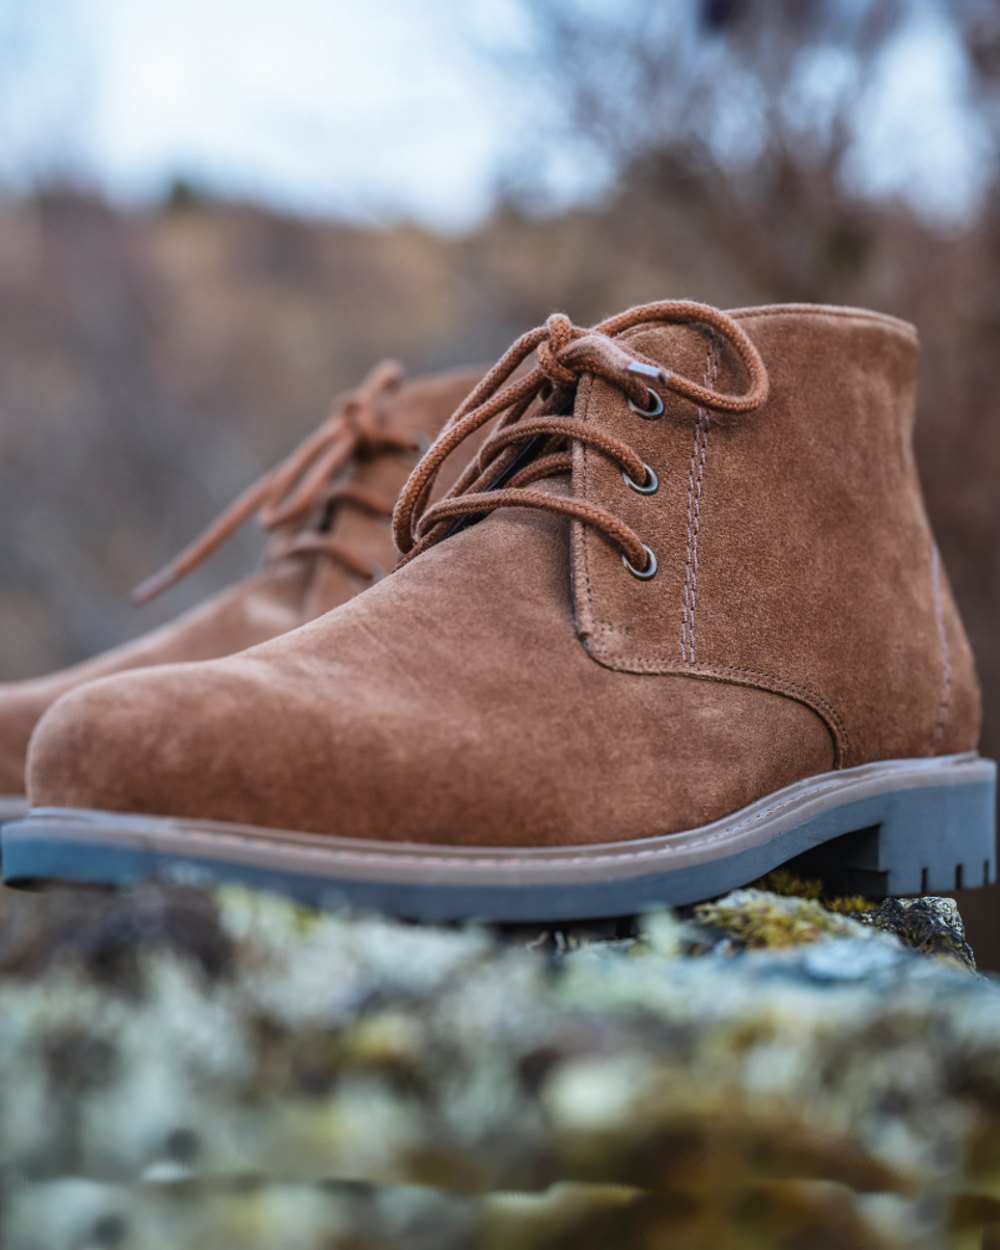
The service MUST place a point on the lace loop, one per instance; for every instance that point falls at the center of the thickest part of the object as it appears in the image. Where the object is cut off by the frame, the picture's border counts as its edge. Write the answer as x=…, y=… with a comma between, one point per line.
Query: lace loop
x=560, y=333
x=285, y=497
x=564, y=352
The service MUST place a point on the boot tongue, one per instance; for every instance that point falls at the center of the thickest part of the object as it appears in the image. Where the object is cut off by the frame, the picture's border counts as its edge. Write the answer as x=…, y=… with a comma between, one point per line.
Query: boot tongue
x=420, y=407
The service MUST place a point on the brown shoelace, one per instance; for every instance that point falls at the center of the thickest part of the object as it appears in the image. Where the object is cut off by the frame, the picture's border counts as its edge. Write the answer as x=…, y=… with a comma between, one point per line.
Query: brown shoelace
x=564, y=352
x=290, y=494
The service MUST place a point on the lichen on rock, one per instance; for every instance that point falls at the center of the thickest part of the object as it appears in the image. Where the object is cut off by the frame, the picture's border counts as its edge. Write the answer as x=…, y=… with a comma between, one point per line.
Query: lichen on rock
x=188, y=1068
x=932, y=926
x=756, y=919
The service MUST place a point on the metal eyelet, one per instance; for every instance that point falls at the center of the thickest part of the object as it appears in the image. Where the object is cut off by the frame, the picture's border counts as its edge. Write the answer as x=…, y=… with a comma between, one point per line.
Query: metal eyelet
x=649, y=487
x=655, y=408
x=643, y=574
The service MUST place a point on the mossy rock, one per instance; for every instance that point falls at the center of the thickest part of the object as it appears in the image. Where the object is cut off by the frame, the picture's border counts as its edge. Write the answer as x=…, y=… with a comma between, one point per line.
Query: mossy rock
x=187, y=1068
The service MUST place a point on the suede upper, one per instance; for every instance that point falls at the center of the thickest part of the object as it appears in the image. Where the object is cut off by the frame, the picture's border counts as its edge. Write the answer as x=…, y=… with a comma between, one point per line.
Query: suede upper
x=284, y=594
x=794, y=550
x=514, y=684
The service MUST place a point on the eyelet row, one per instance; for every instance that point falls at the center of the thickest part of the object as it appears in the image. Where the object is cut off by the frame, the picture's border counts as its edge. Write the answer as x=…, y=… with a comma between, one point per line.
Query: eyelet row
x=650, y=486
x=653, y=411
x=643, y=574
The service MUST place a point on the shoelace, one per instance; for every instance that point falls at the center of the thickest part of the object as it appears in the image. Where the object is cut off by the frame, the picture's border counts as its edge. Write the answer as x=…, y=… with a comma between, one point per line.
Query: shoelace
x=564, y=352
x=295, y=490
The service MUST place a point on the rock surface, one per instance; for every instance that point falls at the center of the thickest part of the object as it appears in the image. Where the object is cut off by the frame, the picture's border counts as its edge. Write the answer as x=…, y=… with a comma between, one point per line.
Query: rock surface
x=189, y=1069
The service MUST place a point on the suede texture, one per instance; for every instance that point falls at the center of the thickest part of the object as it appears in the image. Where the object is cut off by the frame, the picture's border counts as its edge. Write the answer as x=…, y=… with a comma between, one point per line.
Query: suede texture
x=280, y=597
x=514, y=685
x=257, y=608
x=450, y=703
x=793, y=545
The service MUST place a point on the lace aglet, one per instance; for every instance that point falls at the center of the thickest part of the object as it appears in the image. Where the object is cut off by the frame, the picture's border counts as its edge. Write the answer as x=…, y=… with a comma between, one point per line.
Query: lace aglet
x=155, y=585
x=649, y=371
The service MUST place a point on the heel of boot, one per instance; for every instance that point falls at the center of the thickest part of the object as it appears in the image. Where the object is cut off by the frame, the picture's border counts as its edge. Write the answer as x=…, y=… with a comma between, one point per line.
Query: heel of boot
x=926, y=840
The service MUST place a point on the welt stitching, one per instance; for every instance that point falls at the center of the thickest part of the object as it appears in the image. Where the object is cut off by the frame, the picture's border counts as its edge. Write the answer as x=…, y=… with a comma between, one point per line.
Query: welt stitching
x=944, y=702
x=612, y=857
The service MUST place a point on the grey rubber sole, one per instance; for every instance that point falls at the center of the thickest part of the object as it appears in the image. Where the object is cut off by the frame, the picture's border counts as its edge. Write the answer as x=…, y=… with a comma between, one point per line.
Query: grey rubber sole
x=12, y=807
x=894, y=827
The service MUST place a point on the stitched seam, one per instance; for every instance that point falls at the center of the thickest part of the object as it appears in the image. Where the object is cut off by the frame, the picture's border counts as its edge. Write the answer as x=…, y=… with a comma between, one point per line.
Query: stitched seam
x=514, y=860
x=741, y=676
x=687, y=610
x=597, y=634
x=691, y=582
x=944, y=702
x=903, y=328
x=702, y=427
x=581, y=535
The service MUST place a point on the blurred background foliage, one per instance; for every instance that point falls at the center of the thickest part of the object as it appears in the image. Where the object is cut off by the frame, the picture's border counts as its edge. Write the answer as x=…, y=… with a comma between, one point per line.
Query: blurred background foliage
x=163, y=340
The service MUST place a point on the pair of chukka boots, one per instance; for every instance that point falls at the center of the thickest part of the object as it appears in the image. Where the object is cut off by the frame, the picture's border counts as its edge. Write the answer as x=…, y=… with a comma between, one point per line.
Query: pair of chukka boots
x=668, y=613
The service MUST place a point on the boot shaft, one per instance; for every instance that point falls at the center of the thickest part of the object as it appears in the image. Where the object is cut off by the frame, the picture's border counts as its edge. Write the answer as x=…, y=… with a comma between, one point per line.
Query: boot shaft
x=792, y=543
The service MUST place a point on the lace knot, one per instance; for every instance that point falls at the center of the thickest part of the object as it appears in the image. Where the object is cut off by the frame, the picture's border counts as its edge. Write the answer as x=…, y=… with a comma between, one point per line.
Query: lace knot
x=534, y=433
x=560, y=333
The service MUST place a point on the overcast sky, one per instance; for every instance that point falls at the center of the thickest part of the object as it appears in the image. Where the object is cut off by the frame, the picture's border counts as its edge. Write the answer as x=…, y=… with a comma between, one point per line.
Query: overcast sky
x=366, y=108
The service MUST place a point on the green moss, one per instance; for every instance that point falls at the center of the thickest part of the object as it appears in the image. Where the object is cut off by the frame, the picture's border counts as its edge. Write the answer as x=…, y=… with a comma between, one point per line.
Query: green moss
x=758, y=919
x=788, y=885
x=849, y=905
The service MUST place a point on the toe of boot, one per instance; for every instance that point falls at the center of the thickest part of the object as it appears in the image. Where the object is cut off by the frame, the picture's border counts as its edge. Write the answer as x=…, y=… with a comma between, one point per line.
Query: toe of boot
x=155, y=742
x=21, y=706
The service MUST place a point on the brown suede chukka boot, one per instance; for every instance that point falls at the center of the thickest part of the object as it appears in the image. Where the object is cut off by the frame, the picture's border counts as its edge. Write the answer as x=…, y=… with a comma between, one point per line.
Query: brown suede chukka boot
x=682, y=620
x=327, y=508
